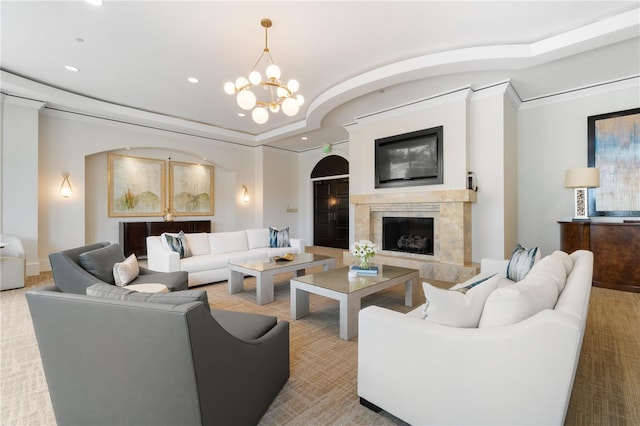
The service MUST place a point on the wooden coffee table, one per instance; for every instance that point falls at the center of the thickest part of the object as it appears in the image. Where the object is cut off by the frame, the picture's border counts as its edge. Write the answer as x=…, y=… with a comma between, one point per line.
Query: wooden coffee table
x=335, y=284
x=264, y=272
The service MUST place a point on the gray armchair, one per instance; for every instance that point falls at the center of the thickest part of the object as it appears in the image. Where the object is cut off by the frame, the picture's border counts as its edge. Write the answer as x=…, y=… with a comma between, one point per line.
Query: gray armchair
x=122, y=362
x=71, y=277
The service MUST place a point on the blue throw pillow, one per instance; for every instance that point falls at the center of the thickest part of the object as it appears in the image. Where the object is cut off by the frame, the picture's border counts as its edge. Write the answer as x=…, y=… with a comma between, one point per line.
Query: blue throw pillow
x=521, y=262
x=178, y=244
x=279, y=238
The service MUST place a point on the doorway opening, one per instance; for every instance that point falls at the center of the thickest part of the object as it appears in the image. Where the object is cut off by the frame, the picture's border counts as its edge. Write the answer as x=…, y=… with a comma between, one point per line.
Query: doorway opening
x=331, y=202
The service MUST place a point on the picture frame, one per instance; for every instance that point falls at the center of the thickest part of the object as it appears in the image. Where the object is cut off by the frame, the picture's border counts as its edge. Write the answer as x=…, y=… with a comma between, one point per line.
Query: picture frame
x=191, y=189
x=136, y=186
x=614, y=148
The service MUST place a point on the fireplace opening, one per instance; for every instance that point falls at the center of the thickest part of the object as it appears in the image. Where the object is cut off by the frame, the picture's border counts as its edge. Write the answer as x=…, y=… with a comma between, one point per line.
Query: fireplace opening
x=408, y=234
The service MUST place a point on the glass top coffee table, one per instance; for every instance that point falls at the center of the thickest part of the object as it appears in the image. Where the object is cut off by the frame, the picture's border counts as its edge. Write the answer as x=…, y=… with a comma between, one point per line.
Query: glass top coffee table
x=264, y=272
x=336, y=284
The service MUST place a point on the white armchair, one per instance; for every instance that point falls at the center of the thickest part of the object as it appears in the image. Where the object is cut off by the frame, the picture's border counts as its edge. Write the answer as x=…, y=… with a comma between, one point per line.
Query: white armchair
x=13, y=262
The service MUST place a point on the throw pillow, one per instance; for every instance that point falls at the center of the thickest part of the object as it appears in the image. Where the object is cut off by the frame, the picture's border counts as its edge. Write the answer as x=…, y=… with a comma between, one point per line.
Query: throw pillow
x=460, y=306
x=172, y=298
x=127, y=271
x=178, y=243
x=514, y=303
x=279, y=237
x=521, y=262
x=99, y=262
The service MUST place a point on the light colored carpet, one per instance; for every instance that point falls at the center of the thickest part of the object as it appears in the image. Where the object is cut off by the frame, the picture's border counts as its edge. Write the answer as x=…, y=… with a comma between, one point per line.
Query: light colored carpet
x=322, y=386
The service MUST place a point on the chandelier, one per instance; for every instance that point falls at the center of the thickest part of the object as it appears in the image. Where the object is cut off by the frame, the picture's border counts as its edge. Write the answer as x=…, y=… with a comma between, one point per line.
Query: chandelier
x=278, y=95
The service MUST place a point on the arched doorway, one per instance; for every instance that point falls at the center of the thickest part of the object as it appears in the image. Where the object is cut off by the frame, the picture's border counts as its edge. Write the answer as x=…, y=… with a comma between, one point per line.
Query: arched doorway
x=331, y=202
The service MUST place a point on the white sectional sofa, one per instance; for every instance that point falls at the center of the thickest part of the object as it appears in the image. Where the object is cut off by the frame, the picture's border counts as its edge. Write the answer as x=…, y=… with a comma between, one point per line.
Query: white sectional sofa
x=211, y=253
x=516, y=367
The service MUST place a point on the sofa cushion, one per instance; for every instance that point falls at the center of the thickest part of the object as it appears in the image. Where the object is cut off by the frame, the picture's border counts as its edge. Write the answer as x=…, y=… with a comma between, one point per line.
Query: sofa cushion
x=461, y=305
x=99, y=262
x=279, y=237
x=521, y=262
x=107, y=291
x=198, y=243
x=537, y=292
x=244, y=325
x=258, y=238
x=127, y=271
x=565, y=259
x=225, y=242
x=178, y=243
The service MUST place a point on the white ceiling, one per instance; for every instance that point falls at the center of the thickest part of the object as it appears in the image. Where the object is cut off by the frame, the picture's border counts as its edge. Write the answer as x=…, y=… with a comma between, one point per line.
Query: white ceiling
x=351, y=58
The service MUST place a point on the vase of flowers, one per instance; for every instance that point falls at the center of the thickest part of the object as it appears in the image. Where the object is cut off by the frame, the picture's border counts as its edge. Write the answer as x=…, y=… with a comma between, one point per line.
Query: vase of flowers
x=364, y=250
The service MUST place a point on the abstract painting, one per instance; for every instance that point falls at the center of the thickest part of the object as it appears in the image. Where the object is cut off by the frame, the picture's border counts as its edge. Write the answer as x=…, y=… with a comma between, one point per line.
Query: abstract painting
x=136, y=186
x=191, y=189
x=614, y=148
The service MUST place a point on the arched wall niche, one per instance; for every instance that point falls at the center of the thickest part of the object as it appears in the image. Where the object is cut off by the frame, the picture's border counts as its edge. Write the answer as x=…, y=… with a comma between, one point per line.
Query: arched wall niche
x=100, y=227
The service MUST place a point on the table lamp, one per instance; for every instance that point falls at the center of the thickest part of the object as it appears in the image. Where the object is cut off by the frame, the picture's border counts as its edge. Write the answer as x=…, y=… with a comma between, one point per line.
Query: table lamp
x=580, y=180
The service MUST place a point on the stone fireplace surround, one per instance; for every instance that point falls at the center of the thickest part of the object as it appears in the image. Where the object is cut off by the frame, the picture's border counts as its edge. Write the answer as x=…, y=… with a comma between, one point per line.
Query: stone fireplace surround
x=451, y=211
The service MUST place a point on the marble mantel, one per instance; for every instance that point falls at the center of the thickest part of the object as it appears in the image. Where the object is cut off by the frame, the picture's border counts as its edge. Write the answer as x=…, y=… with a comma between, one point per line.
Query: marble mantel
x=451, y=210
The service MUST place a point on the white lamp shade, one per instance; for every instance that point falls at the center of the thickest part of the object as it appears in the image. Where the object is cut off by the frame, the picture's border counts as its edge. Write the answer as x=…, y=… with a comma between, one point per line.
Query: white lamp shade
x=282, y=92
x=587, y=177
x=246, y=99
x=274, y=108
x=273, y=71
x=255, y=77
x=300, y=99
x=229, y=88
x=293, y=85
x=241, y=82
x=290, y=107
x=260, y=115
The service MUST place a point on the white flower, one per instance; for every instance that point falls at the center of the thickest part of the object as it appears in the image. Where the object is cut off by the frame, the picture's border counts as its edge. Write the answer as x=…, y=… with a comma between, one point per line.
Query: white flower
x=364, y=249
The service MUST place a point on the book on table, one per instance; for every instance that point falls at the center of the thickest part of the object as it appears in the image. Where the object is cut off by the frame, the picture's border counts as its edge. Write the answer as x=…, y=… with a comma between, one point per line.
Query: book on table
x=373, y=270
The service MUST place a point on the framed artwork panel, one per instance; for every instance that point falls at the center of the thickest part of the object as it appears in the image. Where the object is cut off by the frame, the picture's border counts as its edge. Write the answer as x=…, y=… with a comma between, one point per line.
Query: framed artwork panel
x=614, y=148
x=191, y=189
x=136, y=186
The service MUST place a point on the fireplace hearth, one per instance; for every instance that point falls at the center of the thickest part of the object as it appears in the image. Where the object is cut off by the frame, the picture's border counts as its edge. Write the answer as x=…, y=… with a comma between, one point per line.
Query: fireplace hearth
x=408, y=234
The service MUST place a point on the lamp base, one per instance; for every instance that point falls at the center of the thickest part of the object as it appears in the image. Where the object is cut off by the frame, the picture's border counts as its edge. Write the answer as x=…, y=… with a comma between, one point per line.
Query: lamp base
x=581, y=212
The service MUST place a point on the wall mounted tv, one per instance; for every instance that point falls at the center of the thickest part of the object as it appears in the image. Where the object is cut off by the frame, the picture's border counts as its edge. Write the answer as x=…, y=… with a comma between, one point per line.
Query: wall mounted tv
x=409, y=159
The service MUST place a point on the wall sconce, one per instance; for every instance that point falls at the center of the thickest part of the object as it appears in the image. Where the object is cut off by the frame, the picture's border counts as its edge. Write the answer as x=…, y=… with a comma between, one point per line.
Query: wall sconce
x=65, y=186
x=245, y=194
x=580, y=180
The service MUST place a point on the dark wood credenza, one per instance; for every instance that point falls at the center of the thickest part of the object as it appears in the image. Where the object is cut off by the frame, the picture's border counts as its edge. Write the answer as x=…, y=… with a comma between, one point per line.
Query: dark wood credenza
x=615, y=247
x=133, y=235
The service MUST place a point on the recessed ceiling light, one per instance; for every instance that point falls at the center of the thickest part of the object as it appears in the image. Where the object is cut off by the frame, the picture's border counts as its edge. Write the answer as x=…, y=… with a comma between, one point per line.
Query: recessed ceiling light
x=304, y=138
x=71, y=68
x=242, y=114
x=192, y=80
x=95, y=2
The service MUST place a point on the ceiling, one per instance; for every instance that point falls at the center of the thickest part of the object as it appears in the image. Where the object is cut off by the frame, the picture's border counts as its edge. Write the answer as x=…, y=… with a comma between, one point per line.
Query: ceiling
x=351, y=58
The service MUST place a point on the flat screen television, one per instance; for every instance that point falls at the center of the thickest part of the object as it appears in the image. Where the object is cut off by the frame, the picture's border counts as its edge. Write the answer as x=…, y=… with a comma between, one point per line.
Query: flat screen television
x=409, y=159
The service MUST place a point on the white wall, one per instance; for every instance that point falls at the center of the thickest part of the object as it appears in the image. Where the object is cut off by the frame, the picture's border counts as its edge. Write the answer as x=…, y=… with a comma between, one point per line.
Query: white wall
x=79, y=145
x=552, y=137
x=19, y=181
x=449, y=110
x=280, y=189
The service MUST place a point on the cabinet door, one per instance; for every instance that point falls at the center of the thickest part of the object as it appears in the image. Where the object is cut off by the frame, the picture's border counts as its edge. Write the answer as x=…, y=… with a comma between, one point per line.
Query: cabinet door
x=133, y=238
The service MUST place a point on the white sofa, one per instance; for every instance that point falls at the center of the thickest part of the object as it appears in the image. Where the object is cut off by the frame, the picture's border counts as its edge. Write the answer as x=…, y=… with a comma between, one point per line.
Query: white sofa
x=211, y=253
x=424, y=372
